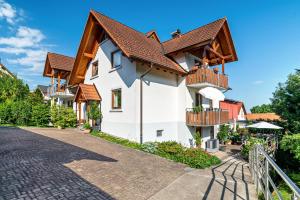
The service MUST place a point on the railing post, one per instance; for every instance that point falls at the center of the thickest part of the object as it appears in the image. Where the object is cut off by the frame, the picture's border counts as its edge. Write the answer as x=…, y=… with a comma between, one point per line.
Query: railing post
x=256, y=168
x=267, y=179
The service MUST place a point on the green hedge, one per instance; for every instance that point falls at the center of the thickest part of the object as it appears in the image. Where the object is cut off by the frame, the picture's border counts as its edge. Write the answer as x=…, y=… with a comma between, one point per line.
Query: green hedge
x=193, y=157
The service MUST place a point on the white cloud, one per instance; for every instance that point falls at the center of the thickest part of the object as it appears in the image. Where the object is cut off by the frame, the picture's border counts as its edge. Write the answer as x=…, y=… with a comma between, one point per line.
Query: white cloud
x=25, y=37
x=258, y=82
x=7, y=12
x=24, y=47
x=33, y=59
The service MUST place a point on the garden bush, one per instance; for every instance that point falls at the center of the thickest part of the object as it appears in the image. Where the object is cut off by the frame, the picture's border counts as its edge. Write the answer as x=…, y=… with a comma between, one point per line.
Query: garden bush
x=224, y=132
x=195, y=158
x=86, y=125
x=40, y=115
x=150, y=147
x=249, y=146
x=63, y=117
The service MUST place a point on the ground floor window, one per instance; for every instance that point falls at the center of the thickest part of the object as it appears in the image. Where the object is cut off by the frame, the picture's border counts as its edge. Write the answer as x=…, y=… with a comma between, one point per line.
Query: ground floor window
x=117, y=99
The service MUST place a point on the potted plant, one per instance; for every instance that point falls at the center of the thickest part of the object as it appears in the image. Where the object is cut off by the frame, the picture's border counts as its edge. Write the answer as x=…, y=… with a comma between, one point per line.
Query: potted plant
x=86, y=128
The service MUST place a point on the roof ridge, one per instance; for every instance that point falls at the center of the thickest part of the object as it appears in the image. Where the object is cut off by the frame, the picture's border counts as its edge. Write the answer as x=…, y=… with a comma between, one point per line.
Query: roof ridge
x=224, y=18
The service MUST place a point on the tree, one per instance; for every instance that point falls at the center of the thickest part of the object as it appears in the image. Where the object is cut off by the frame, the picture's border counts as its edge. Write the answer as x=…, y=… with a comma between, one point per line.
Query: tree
x=94, y=113
x=291, y=143
x=286, y=101
x=264, y=108
x=12, y=89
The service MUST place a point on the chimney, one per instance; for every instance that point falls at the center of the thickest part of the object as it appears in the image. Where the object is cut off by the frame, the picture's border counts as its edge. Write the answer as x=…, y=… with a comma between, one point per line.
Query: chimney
x=176, y=33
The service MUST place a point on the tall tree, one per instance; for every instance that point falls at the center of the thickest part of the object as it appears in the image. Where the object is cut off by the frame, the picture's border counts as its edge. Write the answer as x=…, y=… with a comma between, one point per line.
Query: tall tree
x=264, y=108
x=286, y=101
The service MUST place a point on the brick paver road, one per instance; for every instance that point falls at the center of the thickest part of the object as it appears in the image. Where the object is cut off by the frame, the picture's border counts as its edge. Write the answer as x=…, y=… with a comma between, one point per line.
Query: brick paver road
x=38, y=163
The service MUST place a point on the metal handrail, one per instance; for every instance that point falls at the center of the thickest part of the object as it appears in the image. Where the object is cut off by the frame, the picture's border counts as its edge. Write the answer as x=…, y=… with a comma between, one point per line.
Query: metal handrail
x=260, y=162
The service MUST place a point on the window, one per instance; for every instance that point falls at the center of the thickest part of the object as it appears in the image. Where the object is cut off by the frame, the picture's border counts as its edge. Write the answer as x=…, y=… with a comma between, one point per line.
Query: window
x=116, y=99
x=116, y=58
x=95, y=68
x=159, y=133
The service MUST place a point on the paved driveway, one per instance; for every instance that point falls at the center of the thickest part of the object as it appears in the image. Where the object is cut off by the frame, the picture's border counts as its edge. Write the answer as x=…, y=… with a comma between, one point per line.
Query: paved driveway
x=41, y=163
x=37, y=163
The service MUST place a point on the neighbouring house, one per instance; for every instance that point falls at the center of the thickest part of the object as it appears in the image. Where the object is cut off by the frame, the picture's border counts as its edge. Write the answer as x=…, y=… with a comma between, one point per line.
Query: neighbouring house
x=237, y=112
x=149, y=90
x=4, y=70
x=58, y=68
x=45, y=91
x=262, y=117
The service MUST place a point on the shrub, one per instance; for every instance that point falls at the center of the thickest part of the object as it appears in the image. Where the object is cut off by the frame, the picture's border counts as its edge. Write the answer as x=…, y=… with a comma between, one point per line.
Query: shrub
x=170, y=147
x=235, y=137
x=150, y=147
x=195, y=158
x=198, y=138
x=249, y=146
x=63, y=116
x=94, y=113
x=224, y=132
x=40, y=115
x=86, y=125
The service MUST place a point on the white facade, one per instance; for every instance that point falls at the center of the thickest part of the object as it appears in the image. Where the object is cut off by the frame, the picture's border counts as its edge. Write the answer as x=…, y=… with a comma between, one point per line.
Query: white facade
x=165, y=99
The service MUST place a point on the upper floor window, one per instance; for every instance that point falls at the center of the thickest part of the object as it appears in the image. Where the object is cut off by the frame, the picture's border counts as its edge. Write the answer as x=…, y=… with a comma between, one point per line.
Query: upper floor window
x=116, y=58
x=116, y=99
x=95, y=68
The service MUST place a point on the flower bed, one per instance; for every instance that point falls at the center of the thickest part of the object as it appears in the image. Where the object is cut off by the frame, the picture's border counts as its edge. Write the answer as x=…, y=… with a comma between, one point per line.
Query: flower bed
x=193, y=157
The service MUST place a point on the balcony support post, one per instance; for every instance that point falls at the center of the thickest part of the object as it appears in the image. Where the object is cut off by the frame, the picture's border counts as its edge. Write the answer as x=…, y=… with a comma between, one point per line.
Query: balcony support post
x=223, y=66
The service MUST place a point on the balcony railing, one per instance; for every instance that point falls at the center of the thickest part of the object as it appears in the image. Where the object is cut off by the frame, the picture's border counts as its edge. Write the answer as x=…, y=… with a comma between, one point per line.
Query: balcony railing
x=207, y=76
x=208, y=117
x=62, y=92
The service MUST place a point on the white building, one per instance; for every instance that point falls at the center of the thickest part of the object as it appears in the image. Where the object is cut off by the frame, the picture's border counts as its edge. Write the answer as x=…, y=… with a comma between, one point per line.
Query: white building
x=151, y=90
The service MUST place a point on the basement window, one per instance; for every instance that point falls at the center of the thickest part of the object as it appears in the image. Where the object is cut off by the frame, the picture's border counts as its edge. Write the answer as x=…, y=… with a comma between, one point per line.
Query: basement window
x=159, y=133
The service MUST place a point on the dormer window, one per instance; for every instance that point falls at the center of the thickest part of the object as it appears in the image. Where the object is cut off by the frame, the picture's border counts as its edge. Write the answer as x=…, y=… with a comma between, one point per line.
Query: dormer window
x=95, y=68
x=116, y=57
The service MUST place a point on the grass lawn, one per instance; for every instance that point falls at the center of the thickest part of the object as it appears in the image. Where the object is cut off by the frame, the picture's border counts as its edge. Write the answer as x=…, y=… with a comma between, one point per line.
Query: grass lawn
x=194, y=157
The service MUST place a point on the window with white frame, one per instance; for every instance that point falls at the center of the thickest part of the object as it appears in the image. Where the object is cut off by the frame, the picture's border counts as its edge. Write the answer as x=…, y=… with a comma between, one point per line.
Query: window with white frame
x=116, y=57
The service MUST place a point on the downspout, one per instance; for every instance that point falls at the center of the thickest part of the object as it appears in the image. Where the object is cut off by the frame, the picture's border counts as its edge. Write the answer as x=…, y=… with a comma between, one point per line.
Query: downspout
x=141, y=101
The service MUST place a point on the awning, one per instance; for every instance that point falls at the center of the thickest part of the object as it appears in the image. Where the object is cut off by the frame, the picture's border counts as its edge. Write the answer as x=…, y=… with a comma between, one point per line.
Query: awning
x=264, y=125
x=212, y=93
x=87, y=92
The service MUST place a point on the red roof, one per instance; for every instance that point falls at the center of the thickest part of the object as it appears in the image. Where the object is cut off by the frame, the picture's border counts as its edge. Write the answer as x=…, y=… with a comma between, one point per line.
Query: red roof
x=262, y=116
x=196, y=36
x=62, y=62
x=135, y=44
x=233, y=108
x=87, y=92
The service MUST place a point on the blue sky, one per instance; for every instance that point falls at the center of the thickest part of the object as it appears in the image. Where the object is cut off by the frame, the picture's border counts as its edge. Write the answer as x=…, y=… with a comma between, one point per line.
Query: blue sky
x=266, y=35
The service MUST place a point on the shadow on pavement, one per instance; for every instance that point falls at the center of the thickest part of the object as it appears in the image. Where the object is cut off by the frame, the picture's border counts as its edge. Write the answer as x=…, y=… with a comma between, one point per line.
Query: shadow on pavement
x=32, y=166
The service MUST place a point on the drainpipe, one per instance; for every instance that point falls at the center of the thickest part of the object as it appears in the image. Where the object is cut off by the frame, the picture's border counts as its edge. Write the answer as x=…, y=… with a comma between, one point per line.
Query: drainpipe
x=141, y=101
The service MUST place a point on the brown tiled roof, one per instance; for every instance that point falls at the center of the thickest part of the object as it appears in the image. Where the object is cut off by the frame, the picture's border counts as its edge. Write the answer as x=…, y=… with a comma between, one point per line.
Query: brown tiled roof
x=262, y=116
x=135, y=44
x=88, y=91
x=196, y=36
x=62, y=62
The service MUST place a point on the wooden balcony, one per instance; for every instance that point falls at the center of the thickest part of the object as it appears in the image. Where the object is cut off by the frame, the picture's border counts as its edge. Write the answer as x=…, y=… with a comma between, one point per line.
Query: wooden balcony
x=206, y=118
x=206, y=77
